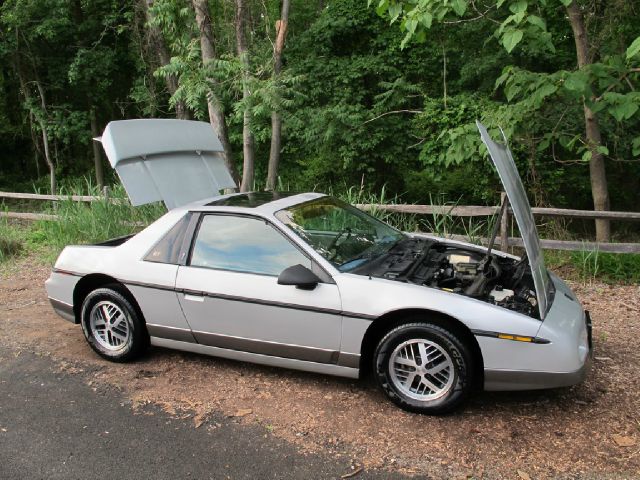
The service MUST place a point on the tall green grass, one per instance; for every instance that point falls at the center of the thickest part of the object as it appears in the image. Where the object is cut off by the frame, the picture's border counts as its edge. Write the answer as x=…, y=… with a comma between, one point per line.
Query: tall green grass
x=610, y=267
x=406, y=222
x=91, y=222
x=588, y=266
x=11, y=240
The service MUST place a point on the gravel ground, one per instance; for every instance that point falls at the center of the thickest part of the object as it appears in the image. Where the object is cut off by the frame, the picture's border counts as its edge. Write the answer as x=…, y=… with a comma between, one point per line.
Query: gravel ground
x=588, y=431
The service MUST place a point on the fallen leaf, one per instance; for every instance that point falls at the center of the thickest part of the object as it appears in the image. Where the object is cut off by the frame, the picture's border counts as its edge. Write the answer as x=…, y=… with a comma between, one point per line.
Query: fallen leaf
x=243, y=412
x=623, y=441
x=352, y=474
x=523, y=475
x=198, y=420
x=168, y=408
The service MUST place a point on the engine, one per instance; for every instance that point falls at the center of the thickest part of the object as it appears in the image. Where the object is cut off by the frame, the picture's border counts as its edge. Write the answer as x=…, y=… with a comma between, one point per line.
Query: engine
x=491, y=278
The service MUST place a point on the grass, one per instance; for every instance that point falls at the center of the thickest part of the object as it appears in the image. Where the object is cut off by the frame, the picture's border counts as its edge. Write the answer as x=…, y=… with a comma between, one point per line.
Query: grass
x=12, y=240
x=89, y=222
x=78, y=223
x=588, y=266
x=402, y=221
x=609, y=267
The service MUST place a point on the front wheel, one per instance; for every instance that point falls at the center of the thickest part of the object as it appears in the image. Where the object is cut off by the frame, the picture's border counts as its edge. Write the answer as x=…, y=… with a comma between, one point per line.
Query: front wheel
x=112, y=326
x=423, y=368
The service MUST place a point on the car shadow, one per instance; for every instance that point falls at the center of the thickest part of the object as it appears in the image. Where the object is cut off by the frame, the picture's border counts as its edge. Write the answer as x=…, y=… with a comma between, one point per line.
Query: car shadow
x=522, y=403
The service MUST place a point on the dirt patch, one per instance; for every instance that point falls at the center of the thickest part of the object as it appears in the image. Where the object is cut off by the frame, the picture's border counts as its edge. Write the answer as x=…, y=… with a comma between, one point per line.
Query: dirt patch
x=588, y=431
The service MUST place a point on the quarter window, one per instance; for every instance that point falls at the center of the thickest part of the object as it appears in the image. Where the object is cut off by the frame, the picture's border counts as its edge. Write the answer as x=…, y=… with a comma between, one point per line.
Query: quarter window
x=167, y=250
x=243, y=244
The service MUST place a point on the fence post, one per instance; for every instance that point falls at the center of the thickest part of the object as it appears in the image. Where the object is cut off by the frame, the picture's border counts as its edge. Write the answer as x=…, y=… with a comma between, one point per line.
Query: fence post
x=504, y=225
x=105, y=193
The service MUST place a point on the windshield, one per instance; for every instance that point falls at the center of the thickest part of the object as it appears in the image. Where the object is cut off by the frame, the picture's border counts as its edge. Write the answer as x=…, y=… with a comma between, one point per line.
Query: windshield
x=342, y=234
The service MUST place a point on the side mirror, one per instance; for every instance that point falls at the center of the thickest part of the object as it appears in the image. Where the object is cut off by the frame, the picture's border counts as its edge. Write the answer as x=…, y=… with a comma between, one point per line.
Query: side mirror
x=300, y=276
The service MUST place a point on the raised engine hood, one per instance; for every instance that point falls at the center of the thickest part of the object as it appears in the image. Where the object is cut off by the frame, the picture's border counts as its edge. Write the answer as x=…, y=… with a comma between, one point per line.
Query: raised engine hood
x=176, y=161
x=503, y=161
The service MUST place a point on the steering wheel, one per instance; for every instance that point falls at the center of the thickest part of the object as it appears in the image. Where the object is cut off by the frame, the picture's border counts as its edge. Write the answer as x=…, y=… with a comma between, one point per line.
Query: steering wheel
x=334, y=243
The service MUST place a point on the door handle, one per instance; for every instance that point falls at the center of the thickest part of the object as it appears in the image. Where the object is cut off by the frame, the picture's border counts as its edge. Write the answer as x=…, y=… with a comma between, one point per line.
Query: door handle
x=194, y=298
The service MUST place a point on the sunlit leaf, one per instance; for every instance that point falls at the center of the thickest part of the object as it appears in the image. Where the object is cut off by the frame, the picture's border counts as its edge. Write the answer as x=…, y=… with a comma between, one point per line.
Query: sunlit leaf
x=511, y=38
x=634, y=49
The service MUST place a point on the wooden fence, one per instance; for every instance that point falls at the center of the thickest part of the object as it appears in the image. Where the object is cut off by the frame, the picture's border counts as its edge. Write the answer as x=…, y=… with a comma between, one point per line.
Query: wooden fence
x=503, y=238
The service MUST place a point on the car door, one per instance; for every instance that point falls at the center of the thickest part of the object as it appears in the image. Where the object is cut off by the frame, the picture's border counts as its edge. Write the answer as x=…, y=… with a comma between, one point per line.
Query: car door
x=230, y=295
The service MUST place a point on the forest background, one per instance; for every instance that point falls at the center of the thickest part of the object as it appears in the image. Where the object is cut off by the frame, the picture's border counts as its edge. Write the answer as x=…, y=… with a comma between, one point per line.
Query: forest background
x=332, y=94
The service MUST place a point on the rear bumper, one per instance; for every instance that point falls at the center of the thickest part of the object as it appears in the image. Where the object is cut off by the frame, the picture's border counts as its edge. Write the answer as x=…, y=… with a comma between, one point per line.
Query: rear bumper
x=504, y=379
x=63, y=309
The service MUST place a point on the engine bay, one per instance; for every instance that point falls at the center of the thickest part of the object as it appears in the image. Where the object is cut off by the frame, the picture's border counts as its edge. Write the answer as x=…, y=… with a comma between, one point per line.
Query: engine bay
x=505, y=282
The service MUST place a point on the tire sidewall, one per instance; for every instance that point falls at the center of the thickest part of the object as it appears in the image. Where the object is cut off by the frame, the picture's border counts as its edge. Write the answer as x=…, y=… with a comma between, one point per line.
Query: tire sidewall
x=458, y=352
x=134, y=324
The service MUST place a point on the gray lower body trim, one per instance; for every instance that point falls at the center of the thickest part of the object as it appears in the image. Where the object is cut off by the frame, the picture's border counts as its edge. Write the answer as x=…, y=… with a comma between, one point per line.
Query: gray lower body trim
x=63, y=309
x=172, y=333
x=310, y=354
x=272, y=361
x=349, y=360
x=505, y=380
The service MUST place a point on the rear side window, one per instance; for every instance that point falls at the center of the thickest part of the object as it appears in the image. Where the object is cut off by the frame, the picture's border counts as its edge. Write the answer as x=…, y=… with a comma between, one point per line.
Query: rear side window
x=167, y=250
x=244, y=244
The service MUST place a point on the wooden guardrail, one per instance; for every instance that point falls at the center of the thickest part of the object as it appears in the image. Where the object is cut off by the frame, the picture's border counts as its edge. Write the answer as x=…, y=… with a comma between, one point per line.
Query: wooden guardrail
x=37, y=196
x=480, y=211
x=454, y=210
x=505, y=241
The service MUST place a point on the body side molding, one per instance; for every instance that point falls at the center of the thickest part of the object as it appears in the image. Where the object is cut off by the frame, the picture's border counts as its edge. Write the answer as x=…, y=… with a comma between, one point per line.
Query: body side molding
x=324, y=368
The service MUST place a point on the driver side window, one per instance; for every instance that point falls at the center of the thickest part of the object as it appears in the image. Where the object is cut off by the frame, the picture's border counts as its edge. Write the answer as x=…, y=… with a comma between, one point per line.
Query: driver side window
x=243, y=244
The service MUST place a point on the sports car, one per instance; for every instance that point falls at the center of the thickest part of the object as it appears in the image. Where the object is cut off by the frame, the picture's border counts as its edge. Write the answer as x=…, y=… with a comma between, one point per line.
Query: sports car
x=308, y=282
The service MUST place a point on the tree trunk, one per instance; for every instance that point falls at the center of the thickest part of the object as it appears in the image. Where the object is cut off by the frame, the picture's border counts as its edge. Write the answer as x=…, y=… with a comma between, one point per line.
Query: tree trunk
x=216, y=112
x=276, y=119
x=97, y=158
x=45, y=139
x=597, y=171
x=34, y=141
x=248, y=164
x=157, y=43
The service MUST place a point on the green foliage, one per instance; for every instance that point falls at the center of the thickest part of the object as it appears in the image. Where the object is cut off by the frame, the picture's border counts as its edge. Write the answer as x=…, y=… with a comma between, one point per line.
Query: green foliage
x=71, y=56
x=634, y=49
x=11, y=240
x=609, y=267
x=534, y=88
x=80, y=222
x=358, y=196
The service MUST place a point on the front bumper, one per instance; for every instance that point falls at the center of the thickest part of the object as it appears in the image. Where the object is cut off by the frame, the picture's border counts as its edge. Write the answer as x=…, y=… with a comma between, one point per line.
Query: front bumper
x=530, y=380
x=505, y=379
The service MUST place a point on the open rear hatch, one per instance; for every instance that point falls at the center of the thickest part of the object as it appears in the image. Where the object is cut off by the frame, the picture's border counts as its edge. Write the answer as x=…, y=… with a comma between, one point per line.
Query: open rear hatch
x=174, y=161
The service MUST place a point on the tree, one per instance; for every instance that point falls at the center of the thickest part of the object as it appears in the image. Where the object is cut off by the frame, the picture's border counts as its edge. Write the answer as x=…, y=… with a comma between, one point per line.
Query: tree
x=247, y=136
x=158, y=45
x=276, y=118
x=216, y=109
x=522, y=22
x=72, y=60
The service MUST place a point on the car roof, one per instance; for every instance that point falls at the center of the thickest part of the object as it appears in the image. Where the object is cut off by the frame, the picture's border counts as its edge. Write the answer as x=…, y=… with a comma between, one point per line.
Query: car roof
x=261, y=203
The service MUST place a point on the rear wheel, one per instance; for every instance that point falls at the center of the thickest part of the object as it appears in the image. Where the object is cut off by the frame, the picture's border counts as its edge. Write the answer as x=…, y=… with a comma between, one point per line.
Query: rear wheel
x=423, y=368
x=112, y=326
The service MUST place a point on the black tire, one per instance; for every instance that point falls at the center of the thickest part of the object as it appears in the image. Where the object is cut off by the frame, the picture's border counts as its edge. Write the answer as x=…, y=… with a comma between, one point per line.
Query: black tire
x=455, y=390
x=136, y=338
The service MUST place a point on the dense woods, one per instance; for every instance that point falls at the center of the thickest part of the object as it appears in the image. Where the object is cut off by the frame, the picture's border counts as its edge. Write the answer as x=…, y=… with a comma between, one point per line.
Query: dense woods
x=327, y=94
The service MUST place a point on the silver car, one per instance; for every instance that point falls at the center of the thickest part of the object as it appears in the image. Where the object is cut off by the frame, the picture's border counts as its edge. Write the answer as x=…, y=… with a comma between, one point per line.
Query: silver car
x=307, y=282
